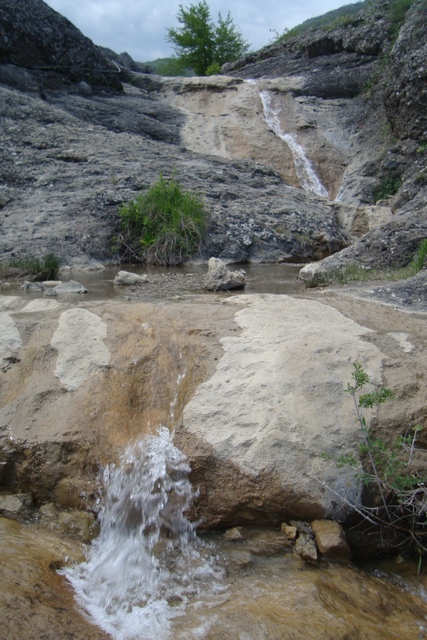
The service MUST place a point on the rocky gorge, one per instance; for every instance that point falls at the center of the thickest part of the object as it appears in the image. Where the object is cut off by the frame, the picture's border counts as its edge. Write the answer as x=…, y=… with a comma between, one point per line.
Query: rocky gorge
x=251, y=384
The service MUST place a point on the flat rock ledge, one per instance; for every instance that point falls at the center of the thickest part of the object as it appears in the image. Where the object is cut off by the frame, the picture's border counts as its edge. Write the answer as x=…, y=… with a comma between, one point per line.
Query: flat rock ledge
x=256, y=431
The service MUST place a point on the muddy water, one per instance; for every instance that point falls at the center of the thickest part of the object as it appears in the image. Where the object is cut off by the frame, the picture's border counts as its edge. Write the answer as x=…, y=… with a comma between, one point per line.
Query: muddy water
x=175, y=281
x=267, y=593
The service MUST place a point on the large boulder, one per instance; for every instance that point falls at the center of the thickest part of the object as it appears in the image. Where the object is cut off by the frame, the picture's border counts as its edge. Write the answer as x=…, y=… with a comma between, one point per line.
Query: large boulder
x=219, y=278
x=257, y=430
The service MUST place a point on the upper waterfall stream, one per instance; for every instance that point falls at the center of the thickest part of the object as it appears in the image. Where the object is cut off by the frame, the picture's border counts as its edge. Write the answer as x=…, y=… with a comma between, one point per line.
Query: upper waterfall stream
x=304, y=169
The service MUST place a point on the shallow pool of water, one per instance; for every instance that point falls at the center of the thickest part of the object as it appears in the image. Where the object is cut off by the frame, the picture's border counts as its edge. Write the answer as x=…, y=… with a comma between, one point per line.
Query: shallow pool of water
x=170, y=282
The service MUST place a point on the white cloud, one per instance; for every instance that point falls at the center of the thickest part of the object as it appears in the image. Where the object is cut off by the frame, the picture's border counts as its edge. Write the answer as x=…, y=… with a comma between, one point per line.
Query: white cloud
x=139, y=26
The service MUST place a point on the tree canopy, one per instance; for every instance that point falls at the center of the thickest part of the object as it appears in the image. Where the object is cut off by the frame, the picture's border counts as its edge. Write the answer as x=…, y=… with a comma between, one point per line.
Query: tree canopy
x=201, y=44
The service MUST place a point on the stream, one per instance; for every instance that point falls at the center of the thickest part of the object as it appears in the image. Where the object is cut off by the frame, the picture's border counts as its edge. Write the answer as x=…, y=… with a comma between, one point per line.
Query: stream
x=151, y=575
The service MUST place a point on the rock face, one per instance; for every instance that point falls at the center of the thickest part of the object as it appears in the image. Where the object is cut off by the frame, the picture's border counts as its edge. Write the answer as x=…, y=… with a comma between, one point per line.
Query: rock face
x=232, y=140
x=35, y=37
x=81, y=382
x=406, y=79
x=255, y=432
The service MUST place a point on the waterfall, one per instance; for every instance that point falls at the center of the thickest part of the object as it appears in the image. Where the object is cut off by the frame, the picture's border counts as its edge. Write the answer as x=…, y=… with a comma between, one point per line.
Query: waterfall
x=303, y=167
x=147, y=562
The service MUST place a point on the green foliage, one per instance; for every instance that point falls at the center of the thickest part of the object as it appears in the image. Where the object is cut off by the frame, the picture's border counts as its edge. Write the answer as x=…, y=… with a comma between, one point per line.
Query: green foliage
x=338, y=17
x=356, y=273
x=46, y=268
x=163, y=226
x=419, y=261
x=199, y=43
x=213, y=69
x=170, y=67
x=389, y=472
x=388, y=187
x=398, y=9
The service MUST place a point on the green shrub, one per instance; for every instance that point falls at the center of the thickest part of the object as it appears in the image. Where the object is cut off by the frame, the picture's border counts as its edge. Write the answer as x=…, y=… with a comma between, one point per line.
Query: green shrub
x=400, y=504
x=388, y=187
x=163, y=226
x=214, y=69
x=420, y=259
x=46, y=268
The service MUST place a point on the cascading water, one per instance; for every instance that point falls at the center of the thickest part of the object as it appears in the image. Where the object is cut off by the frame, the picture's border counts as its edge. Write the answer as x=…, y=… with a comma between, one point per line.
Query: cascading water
x=147, y=562
x=303, y=167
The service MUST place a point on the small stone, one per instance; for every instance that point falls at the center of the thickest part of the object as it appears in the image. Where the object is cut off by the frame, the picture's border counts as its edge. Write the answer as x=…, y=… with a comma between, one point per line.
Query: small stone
x=306, y=548
x=126, y=278
x=33, y=286
x=234, y=534
x=15, y=505
x=76, y=524
x=330, y=539
x=68, y=287
x=289, y=531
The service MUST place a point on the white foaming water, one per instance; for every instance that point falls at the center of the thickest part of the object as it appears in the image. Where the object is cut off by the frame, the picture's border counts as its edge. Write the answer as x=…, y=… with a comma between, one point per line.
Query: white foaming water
x=303, y=167
x=147, y=564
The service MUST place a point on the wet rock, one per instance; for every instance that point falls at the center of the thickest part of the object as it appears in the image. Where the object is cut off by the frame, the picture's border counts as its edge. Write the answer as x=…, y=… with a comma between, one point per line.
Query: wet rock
x=219, y=278
x=33, y=286
x=330, y=539
x=289, y=531
x=16, y=506
x=126, y=278
x=77, y=525
x=68, y=287
x=305, y=547
x=234, y=534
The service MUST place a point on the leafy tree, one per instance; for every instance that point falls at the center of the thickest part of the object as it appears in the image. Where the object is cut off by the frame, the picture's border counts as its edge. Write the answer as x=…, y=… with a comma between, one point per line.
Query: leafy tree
x=200, y=44
x=229, y=43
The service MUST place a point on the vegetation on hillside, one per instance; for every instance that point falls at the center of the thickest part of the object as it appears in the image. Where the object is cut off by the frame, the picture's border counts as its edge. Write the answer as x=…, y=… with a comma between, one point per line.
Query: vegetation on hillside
x=164, y=226
x=348, y=15
x=202, y=45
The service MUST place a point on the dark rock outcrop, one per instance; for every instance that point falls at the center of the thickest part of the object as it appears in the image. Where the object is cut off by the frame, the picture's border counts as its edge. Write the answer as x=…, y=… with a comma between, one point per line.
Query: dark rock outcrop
x=35, y=37
x=405, y=92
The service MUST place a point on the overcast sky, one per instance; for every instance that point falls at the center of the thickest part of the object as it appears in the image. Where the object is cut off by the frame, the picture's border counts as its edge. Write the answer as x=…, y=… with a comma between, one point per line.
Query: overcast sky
x=139, y=26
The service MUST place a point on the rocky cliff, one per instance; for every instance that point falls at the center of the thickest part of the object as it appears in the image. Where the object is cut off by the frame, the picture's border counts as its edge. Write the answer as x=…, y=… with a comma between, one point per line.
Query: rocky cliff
x=290, y=150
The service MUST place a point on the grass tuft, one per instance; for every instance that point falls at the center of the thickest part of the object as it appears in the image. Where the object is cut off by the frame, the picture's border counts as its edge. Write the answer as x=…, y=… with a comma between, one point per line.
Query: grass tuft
x=163, y=226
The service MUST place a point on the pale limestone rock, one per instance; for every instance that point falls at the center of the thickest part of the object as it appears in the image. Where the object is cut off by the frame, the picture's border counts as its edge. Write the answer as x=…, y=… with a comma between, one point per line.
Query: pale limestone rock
x=126, y=278
x=10, y=339
x=330, y=539
x=68, y=287
x=234, y=534
x=39, y=305
x=219, y=278
x=289, y=531
x=81, y=350
x=15, y=505
x=9, y=303
x=255, y=432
